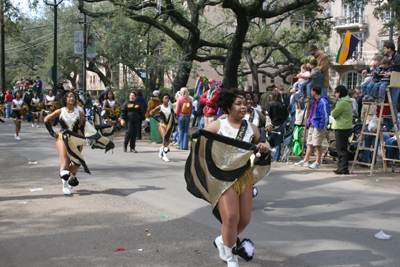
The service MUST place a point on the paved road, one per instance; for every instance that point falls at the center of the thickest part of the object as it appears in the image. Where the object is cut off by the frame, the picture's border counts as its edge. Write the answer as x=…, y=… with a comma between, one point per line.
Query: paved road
x=300, y=218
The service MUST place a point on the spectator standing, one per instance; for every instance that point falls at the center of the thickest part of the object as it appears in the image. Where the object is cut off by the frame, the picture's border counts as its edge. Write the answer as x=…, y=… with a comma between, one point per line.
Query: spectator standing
x=8, y=99
x=183, y=110
x=2, y=96
x=359, y=100
x=131, y=116
x=354, y=104
x=278, y=114
x=39, y=86
x=323, y=64
x=342, y=125
x=194, y=112
x=209, y=100
x=143, y=103
x=266, y=97
x=103, y=95
x=153, y=103
x=317, y=122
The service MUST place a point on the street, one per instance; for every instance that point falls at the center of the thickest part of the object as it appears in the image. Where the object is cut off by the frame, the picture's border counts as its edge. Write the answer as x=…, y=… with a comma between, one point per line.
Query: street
x=301, y=217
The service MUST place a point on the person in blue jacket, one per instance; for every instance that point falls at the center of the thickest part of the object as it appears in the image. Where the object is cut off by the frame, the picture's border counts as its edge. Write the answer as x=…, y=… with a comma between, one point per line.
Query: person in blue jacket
x=142, y=102
x=317, y=122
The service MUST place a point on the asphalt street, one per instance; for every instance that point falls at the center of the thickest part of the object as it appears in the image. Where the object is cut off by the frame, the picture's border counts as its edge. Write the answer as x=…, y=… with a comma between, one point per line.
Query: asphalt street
x=301, y=217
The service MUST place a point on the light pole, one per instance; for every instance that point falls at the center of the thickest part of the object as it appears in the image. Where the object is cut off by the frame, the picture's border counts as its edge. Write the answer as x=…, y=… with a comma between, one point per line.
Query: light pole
x=55, y=4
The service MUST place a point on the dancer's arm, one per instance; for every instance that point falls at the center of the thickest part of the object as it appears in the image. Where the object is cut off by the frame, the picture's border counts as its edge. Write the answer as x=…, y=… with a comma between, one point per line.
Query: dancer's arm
x=49, y=118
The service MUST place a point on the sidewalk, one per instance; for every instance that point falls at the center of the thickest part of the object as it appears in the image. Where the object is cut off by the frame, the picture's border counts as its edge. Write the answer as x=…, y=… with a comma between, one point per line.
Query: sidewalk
x=46, y=228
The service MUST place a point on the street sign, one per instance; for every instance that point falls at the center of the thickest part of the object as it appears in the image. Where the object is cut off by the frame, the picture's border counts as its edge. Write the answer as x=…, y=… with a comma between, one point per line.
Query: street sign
x=50, y=73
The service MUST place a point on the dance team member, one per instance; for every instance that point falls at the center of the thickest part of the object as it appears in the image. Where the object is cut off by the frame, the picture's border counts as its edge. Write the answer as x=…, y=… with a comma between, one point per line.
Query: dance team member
x=227, y=182
x=16, y=107
x=166, y=124
x=35, y=105
x=131, y=115
x=49, y=102
x=108, y=105
x=70, y=119
x=256, y=101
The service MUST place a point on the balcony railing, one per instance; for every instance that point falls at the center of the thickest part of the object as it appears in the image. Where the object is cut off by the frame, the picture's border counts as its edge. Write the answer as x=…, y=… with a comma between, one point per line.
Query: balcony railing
x=343, y=21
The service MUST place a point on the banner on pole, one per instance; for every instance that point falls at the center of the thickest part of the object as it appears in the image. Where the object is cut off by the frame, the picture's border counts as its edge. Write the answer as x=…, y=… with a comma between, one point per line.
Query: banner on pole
x=78, y=44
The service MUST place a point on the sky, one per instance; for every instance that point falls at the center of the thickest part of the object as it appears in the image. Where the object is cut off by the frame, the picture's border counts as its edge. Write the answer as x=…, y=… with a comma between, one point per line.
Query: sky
x=23, y=4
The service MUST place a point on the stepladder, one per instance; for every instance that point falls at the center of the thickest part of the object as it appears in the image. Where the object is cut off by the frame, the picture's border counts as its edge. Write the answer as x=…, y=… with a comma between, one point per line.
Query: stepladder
x=377, y=133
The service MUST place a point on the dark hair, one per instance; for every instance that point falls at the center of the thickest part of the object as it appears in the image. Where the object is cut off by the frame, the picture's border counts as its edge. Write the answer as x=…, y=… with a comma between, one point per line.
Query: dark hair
x=352, y=92
x=113, y=97
x=227, y=98
x=64, y=95
x=245, y=93
x=341, y=89
x=139, y=93
x=390, y=45
x=164, y=94
x=317, y=89
x=314, y=62
x=18, y=92
x=37, y=77
x=313, y=48
x=132, y=92
x=276, y=96
x=253, y=93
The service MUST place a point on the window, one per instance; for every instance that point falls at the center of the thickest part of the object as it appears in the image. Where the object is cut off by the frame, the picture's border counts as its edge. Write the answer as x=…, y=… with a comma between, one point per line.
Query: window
x=264, y=79
x=272, y=79
x=360, y=46
x=353, y=13
x=351, y=79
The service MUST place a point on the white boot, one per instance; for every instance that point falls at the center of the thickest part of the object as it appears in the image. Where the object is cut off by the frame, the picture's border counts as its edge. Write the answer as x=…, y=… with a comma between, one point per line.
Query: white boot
x=165, y=158
x=231, y=258
x=160, y=154
x=66, y=190
x=219, y=244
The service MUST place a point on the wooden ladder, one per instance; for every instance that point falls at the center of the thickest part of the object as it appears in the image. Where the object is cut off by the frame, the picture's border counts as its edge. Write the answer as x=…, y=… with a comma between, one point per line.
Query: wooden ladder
x=378, y=135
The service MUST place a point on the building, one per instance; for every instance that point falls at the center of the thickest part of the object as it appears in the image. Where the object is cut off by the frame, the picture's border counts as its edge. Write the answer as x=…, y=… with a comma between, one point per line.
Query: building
x=361, y=22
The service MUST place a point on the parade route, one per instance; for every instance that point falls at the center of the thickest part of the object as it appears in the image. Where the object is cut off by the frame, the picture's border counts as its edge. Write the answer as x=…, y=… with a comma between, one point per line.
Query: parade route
x=301, y=217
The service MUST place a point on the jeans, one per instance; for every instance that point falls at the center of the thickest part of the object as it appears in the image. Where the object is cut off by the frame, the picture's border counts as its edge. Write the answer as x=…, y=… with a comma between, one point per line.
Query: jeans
x=369, y=141
x=391, y=152
x=364, y=87
x=184, y=122
x=194, y=121
x=371, y=87
x=394, y=92
x=278, y=138
x=175, y=135
x=309, y=87
x=379, y=88
x=8, y=109
x=324, y=91
x=304, y=88
x=201, y=122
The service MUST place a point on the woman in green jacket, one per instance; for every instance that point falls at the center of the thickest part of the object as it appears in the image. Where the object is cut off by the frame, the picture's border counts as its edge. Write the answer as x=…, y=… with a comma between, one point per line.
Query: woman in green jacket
x=343, y=125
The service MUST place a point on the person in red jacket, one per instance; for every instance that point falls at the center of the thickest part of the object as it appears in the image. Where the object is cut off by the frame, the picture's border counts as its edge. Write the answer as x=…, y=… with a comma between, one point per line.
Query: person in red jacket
x=209, y=100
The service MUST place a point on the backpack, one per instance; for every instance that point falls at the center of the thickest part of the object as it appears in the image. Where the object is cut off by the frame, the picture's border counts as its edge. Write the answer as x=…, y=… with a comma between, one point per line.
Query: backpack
x=186, y=108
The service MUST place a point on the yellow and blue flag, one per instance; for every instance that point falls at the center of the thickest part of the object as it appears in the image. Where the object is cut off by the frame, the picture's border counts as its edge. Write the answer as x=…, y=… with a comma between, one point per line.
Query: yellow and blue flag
x=347, y=48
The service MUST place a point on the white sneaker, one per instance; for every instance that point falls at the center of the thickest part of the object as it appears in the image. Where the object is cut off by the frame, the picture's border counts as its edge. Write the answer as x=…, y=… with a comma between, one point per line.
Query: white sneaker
x=302, y=163
x=17, y=138
x=160, y=154
x=315, y=165
x=165, y=158
x=66, y=190
x=33, y=125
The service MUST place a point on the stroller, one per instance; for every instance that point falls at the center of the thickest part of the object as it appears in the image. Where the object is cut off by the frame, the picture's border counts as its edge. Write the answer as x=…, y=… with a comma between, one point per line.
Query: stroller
x=331, y=150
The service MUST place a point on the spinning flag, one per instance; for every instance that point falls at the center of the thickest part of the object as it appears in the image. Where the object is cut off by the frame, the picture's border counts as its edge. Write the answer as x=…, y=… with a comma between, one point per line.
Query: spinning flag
x=217, y=162
x=347, y=48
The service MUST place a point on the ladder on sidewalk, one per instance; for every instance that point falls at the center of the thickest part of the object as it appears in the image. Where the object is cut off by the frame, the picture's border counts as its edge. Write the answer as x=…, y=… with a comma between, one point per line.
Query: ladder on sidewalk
x=379, y=133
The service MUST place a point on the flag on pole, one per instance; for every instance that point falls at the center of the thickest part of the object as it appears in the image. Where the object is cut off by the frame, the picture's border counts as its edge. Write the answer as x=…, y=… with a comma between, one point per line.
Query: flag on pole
x=347, y=48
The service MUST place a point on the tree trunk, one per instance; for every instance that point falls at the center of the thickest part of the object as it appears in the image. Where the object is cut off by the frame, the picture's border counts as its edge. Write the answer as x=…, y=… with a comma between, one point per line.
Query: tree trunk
x=253, y=68
x=234, y=54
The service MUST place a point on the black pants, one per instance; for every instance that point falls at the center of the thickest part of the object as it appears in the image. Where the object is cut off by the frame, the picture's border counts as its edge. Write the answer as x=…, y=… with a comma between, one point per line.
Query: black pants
x=131, y=129
x=342, y=143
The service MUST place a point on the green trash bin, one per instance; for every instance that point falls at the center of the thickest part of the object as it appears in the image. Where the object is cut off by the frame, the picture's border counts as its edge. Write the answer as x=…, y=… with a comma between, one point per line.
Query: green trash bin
x=154, y=132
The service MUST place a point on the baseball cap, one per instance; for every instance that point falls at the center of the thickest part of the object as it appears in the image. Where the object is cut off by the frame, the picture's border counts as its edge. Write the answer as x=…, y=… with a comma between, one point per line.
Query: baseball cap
x=212, y=80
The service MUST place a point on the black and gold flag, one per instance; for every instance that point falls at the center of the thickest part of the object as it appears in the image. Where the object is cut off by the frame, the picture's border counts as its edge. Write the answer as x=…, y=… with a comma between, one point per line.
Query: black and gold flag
x=217, y=162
